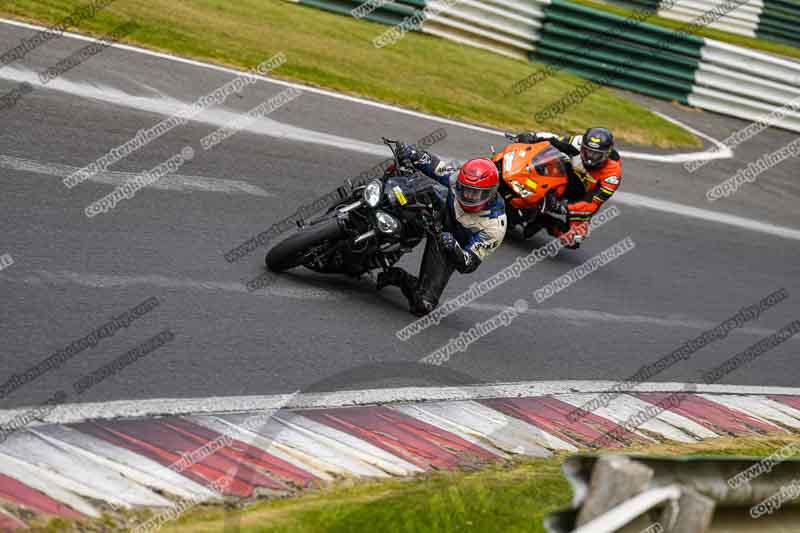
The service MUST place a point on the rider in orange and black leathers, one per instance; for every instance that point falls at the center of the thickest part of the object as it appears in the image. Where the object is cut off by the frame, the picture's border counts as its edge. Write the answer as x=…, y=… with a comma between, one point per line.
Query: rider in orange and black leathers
x=597, y=175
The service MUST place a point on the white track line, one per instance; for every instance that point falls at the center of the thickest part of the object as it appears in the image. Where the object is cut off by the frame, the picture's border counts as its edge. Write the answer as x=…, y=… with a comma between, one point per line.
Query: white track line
x=720, y=152
x=69, y=413
x=173, y=182
x=273, y=128
x=638, y=200
x=166, y=106
x=276, y=129
x=266, y=126
x=110, y=281
x=588, y=316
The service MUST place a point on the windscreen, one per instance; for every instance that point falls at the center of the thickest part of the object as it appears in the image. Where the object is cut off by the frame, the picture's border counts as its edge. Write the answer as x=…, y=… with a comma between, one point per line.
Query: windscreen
x=550, y=162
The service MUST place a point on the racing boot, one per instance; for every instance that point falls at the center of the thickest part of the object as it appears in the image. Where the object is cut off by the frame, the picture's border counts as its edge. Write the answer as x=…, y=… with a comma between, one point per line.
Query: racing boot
x=418, y=304
x=399, y=278
x=568, y=239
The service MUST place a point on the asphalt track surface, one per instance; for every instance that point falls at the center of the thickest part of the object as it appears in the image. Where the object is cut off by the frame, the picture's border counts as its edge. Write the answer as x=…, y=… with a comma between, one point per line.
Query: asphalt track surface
x=71, y=273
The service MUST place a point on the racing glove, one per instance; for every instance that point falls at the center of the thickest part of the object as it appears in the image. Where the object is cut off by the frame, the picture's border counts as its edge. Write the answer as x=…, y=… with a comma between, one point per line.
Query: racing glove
x=527, y=138
x=464, y=260
x=448, y=242
x=560, y=143
x=407, y=155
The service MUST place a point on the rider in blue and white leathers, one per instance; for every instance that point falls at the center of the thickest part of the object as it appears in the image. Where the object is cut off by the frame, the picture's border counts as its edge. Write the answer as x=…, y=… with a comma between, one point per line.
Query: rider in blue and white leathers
x=474, y=226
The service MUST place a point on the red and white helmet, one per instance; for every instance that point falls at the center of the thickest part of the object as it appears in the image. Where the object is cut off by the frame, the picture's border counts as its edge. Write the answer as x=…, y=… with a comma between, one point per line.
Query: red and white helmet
x=477, y=184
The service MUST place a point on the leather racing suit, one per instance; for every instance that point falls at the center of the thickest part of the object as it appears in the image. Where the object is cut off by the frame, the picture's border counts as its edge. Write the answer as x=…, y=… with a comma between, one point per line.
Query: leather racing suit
x=478, y=235
x=587, y=189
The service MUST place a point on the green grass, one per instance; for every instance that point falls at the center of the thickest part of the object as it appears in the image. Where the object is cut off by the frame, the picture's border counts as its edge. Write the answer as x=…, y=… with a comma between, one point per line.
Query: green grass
x=720, y=35
x=511, y=497
x=324, y=49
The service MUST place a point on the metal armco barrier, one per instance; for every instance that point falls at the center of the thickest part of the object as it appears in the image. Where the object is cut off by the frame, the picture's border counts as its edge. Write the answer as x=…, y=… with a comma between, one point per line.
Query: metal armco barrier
x=636, y=494
x=624, y=52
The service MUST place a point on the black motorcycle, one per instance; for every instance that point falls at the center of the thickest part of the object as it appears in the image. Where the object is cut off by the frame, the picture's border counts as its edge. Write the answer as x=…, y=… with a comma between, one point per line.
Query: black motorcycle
x=372, y=228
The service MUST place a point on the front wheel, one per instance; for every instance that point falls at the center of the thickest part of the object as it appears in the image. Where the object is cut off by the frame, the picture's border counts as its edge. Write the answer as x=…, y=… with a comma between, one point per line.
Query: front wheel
x=294, y=251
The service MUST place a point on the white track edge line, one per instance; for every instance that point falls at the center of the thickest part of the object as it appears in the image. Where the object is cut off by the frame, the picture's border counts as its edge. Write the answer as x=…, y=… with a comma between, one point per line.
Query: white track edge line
x=70, y=413
x=724, y=152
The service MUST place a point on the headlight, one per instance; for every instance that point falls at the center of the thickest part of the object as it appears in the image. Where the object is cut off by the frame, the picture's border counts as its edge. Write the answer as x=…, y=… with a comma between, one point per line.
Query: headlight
x=386, y=223
x=372, y=193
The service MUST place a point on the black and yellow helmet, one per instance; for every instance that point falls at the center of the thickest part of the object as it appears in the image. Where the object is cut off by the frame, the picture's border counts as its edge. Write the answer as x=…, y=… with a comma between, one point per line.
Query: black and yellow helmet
x=596, y=147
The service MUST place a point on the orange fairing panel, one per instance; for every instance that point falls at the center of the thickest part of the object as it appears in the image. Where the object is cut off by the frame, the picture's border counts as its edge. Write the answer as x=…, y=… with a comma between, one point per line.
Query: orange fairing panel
x=532, y=170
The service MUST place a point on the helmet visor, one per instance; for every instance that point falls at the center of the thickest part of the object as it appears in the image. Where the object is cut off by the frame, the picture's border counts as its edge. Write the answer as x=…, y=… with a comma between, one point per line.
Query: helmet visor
x=592, y=157
x=472, y=196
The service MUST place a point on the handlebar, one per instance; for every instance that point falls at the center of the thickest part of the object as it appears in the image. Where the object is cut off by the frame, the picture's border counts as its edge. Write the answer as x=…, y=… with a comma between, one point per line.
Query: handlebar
x=399, y=167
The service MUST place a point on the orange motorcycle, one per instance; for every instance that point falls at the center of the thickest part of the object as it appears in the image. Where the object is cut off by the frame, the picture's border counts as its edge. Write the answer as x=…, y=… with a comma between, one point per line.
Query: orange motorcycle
x=533, y=177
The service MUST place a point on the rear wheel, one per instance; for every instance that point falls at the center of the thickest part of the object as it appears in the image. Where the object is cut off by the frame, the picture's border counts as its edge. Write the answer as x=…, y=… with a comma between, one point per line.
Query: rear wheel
x=295, y=250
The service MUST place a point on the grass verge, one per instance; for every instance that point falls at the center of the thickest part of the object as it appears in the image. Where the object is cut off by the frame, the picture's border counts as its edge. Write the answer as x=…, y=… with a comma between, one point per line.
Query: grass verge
x=512, y=497
x=333, y=51
x=762, y=45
